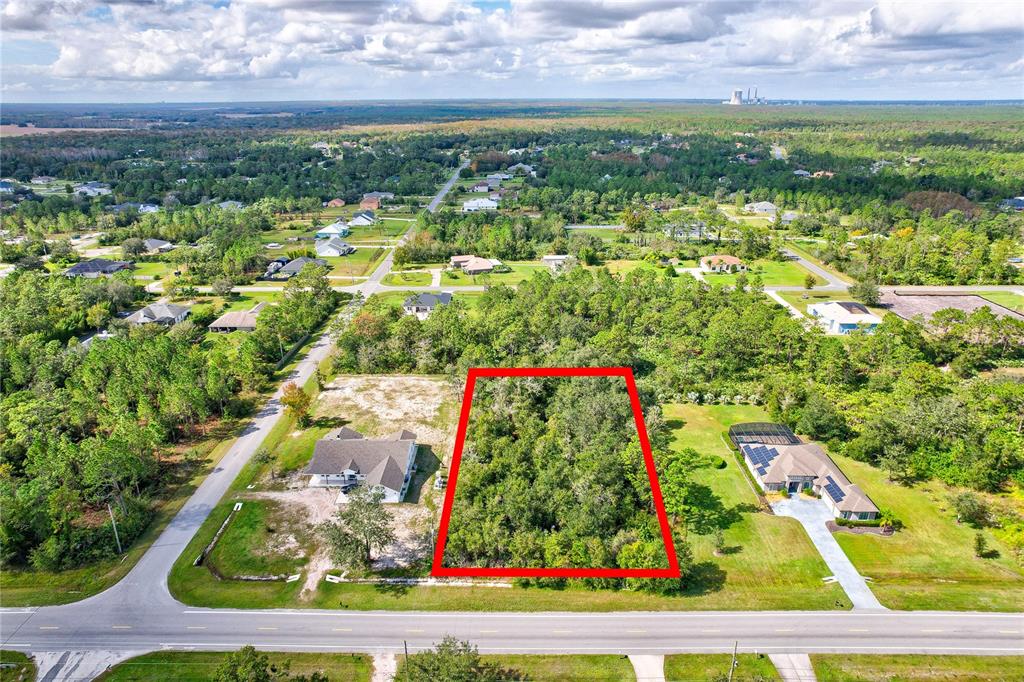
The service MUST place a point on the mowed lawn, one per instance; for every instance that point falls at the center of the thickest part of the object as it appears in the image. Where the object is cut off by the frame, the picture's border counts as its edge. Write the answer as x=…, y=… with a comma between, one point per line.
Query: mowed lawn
x=261, y=540
x=520, y=271
x=687, y=667
x=930, y=564
x=769, y=562
x=582, y=668
x=1007, y=299
x=801, y=299
x=357, y=264
x=470, y=298
x=408, y=279
x=773, y=273
x=201, y=666
x=916, y=668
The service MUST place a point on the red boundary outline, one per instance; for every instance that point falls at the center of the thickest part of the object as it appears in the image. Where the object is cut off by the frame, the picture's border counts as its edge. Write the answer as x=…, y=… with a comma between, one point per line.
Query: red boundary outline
x=645, y=446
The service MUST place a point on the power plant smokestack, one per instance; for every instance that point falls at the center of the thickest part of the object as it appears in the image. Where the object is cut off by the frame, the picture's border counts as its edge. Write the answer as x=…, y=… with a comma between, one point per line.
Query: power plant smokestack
x=748, y=93
x=755, y=93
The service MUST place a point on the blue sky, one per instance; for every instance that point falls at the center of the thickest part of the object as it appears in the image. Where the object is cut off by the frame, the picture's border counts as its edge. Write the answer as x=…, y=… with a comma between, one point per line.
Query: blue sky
x=191, y=50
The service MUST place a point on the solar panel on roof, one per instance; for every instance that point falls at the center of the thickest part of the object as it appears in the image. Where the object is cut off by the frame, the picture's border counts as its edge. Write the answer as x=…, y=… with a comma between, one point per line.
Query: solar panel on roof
x=833, y=489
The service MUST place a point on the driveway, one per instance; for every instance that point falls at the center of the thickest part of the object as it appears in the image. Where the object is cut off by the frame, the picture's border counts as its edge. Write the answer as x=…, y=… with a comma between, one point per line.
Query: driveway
x=813, y=515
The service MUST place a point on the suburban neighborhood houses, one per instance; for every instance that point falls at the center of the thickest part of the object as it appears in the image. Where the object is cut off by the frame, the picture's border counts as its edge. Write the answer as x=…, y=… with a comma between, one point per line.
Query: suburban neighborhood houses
x=453, y=390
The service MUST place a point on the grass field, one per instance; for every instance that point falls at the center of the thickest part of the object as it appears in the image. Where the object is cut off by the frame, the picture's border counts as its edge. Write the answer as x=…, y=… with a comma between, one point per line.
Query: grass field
x=22, y=668
x=605, y=233
x=200, y=666
x=152, y=269
x=1007, y=299
x=916, y=668
x=257, y=542
x=797, y=300
x=362, y=262
x=239, y=301
x=398, y=279
x=693, y=667
x=773, y=273
x=930, y=564
x=769, y=561
x=800, y=247
x=566, y=668
x=520, y=271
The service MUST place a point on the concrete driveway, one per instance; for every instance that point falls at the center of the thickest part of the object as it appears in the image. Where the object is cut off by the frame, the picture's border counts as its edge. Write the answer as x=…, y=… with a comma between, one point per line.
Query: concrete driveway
x=813, y=515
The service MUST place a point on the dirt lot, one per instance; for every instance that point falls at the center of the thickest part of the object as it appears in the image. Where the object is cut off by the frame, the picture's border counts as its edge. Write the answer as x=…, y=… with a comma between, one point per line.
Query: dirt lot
x=377, y=406
x=926, y=305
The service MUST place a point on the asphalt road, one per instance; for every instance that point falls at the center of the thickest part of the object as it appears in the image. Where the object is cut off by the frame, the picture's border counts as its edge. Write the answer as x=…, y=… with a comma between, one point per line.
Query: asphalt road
x=160, y=623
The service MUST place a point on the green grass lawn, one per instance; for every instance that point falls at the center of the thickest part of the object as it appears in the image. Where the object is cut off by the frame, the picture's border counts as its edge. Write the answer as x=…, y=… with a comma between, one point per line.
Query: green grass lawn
x=930, y=564
x=238, y=301
x=152, y=269
x=581, y=668
x=801, y=299
x=470, y=298
x=773, y=273
x=418, y=279
x=1007, y=299
x=769, y=563
x=915, y=668
x=357, y=264
x=692, y=667
x=23, y=668
x=520, y=271
x=200, y=666
x=606, y=233
x=257, y=542
x=801, y=247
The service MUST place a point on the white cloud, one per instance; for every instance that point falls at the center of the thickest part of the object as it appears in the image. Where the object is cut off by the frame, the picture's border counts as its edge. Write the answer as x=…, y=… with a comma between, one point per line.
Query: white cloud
x=452, y=48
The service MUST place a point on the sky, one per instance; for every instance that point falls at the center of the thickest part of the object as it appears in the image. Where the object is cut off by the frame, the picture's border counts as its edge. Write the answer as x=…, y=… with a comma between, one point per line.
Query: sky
x=252, y=50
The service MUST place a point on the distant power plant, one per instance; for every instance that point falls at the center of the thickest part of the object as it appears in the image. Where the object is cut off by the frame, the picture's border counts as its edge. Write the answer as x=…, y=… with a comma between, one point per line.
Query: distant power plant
x=738, y=98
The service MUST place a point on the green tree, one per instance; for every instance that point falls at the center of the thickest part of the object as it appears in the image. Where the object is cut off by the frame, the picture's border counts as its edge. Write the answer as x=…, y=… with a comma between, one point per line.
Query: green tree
x=453, y=660
x=970, y=509
x=980, y=544
x=297, y=402
x=866, y=292
x=809, y=281
x=363, y=525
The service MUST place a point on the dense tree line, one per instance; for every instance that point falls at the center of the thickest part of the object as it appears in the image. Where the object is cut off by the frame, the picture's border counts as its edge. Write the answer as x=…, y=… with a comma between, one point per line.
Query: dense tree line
x=688, y=341
x=83, y=428
x=552, y=476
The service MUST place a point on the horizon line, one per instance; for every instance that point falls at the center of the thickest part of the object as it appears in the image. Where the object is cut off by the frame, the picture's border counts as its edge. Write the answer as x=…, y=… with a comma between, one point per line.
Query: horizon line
x=693, y=100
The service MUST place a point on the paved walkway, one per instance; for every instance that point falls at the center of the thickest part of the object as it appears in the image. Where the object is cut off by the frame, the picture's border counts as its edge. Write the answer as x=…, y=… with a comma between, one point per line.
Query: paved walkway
x=648, y=668
x=385, y=666
x=813, y=515
x=794, y=667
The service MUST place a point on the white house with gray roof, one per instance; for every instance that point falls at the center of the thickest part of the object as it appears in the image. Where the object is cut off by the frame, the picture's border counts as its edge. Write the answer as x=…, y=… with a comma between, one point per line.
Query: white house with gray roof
x=345, y=459
x=780, y=461
x=165, y=314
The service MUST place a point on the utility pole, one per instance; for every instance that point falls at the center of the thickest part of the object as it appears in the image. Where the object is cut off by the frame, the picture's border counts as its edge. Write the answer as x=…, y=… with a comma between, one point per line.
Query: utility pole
x=405, y=644
x=732, y=668
x=117, y=539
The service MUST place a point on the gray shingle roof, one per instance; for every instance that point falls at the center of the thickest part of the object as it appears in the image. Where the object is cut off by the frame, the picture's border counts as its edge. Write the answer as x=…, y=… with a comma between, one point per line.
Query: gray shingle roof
x=428, y=300
x=98, y=265
x=295, y=266
x=159, y=313
x=383, y=462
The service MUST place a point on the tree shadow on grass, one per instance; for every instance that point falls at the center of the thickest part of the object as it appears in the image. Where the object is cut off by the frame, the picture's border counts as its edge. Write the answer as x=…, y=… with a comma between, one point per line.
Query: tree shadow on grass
x=329, y=422
x=705, y=577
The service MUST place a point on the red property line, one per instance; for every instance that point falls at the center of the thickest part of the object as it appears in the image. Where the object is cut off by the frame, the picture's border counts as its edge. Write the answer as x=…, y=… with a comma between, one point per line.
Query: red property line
x=440, y=570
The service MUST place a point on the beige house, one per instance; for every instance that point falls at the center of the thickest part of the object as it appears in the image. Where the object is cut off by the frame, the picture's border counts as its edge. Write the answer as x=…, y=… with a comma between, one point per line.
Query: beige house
x=722, y=263
x=237, y=321
x=784, y=463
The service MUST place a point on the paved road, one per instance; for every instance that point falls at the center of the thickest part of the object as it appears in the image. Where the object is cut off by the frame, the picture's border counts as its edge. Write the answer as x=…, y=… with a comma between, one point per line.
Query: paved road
x=155, y=622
